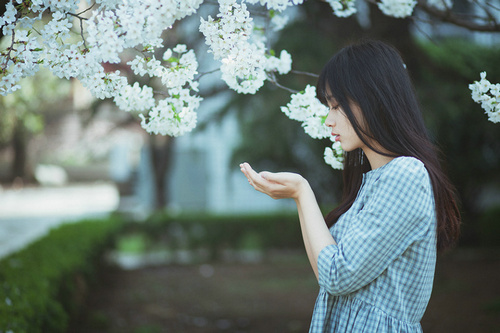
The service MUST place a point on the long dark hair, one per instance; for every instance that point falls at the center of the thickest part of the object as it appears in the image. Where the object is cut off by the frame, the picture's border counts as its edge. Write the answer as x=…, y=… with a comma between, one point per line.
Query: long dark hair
x=373, y=75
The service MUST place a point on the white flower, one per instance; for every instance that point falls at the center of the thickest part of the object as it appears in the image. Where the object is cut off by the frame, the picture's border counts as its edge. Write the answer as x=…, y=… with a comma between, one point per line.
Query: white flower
x=57, y=30
x=167, y=55
x=484, y=85
x=397, y=8
x=180, y=48
x=10, y=13
x=334, y=156
x=173, y=74
x=316, y=128
x=278, y=5
x=494, y=116
x=282, y=65
x=243, y=61
x=476, y=93
x=343, y=8
x=495, y=91
x=488, y=95
x=173, y=116
x=135, y=98
x=279, y=22
x=104, y=85
x=304, y=105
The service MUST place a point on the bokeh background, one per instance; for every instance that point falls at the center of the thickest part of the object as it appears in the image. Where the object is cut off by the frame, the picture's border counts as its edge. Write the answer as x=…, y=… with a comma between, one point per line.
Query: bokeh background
x=198, y=250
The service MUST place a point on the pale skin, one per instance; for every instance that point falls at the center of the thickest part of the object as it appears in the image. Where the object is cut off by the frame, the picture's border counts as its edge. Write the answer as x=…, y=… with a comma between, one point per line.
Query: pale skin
x=315, y=233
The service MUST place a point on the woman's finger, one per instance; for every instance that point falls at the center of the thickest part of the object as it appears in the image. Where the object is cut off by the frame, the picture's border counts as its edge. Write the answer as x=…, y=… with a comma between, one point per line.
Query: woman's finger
x=249, y=173
x=255, y=179
x=246, y=169
x=276, y=185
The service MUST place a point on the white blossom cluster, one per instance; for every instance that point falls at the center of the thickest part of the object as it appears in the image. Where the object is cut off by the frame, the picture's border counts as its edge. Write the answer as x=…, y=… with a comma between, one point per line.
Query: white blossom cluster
x=111, y=28
x=175, y=71
x=397, y=8
x=176, y=114
x=488, y=95
x=306, y=108
x=334, y=156
x=278, y=5
x=55, y=5
x=14, y=70
x=304, y=105
x=244, y=61
x=81, y=44
x=140, y=22
x=343, y=8
x=104, y=84
x=135, y=98
x=279, y=21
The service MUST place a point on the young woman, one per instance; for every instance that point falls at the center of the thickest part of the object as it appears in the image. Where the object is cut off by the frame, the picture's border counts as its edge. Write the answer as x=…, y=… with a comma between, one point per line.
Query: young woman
x=375, y=256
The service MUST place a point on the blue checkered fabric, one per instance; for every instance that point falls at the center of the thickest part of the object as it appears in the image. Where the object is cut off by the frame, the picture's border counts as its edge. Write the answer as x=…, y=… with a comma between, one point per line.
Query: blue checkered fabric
x=379, y=275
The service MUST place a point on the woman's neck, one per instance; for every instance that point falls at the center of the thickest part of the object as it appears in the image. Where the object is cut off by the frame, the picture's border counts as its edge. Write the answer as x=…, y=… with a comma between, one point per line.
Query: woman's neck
x=376, y=159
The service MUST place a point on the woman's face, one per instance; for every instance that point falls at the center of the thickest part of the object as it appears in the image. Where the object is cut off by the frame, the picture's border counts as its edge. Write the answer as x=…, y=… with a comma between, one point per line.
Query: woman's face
x=342, y=129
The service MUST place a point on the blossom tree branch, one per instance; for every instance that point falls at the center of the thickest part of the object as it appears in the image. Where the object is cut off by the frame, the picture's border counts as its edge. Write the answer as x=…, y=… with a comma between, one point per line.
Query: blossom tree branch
x=81, y=19
x=487, y=24
x=242, y=46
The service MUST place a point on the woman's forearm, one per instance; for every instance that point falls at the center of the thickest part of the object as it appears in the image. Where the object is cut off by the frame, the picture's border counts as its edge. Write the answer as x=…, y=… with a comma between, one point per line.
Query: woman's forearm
x=290, y=185
x=315, y=233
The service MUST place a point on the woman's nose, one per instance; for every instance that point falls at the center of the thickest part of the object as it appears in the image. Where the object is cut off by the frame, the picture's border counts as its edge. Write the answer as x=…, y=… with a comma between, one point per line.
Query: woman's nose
x=329, y=121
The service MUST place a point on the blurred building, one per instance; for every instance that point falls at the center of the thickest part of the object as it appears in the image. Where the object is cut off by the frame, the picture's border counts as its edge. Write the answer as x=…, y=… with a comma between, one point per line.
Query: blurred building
x=203, y=177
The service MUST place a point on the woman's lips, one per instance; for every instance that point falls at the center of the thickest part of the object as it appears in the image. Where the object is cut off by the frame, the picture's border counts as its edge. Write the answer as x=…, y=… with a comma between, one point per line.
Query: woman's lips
x=337, y=137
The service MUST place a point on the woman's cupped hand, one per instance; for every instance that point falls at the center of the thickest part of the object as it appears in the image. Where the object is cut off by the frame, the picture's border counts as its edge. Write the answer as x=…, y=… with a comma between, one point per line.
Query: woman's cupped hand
x=279, y=185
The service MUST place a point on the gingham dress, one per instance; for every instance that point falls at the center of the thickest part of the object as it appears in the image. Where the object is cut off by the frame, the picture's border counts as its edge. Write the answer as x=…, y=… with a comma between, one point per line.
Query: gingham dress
x=379, y=276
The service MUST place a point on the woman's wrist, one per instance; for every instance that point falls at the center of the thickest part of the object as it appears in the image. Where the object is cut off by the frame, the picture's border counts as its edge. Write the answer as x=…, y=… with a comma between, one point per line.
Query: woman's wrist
x=303, y=190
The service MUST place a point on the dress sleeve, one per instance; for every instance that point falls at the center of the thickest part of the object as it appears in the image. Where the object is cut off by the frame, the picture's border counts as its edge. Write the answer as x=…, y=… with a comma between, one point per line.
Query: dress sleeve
x=396, y=213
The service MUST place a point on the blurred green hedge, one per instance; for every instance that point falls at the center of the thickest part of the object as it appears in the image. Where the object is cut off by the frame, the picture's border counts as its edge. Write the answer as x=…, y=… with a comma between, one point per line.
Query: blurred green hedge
x=42, y=284
x=218, y=232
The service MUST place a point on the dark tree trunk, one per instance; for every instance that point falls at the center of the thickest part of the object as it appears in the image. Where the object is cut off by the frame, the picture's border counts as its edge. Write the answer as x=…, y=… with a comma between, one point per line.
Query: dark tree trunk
x=161, y=156
x=20, y=150
x=396, y=31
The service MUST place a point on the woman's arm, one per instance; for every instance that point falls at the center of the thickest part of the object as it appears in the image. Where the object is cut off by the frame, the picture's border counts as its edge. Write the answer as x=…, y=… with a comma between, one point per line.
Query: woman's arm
x=290, y=185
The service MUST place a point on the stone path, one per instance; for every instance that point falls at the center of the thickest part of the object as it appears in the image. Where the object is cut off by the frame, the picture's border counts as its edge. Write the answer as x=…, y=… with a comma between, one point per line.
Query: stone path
x=28, y=214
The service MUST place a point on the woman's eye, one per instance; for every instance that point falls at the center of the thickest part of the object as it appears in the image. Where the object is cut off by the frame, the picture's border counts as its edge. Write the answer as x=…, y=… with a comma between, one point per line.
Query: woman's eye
x=335, y=107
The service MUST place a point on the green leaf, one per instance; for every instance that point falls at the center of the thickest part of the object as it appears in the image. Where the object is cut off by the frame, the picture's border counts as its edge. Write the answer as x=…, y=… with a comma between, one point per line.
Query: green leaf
x=173, y=59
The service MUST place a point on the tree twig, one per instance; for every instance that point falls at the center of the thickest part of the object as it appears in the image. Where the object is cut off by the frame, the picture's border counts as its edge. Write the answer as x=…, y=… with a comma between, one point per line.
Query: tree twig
x=81, y=26
x=449, y=17
x=305, y=73
x=206, y=73
x=273, y=80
